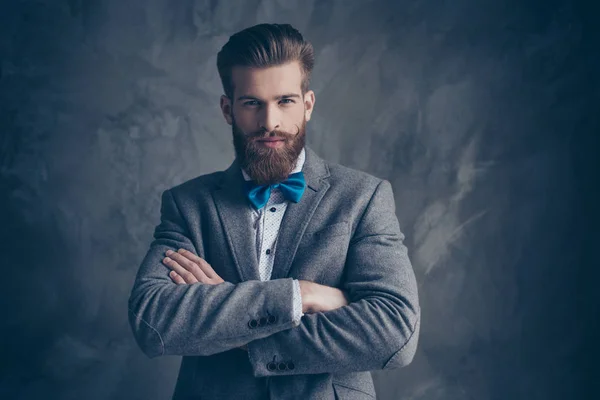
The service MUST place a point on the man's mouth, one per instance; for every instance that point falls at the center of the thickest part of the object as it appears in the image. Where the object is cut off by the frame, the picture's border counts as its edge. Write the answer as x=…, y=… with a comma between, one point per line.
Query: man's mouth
x=272, y=142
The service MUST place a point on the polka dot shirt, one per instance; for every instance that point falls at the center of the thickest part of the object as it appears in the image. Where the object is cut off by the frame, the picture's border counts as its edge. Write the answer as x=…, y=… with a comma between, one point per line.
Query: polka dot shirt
x=266, y=223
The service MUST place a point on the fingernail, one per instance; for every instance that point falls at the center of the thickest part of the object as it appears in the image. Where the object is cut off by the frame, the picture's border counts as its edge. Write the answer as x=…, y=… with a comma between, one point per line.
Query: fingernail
x=169, y=252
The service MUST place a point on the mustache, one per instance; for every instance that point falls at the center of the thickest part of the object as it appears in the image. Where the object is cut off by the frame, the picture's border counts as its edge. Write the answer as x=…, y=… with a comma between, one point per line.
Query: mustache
x=281, y=134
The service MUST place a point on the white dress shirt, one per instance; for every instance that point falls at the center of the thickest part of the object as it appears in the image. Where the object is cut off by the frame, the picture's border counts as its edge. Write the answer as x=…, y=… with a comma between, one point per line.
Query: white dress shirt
x=266, y=223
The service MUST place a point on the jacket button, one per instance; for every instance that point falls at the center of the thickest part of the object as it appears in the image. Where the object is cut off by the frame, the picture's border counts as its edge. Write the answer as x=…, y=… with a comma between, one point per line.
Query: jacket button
x=253, y=324
x=291, y=365
x=262, y=321
x=272, y=319
x=281, y=366
x=271, y=366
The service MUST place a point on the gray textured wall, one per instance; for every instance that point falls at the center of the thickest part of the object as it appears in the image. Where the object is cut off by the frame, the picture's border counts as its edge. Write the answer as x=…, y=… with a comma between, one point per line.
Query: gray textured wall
x=480, y=113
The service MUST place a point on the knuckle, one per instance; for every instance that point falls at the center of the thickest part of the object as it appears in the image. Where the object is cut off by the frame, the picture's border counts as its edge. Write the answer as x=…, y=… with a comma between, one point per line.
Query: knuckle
x=195, y=267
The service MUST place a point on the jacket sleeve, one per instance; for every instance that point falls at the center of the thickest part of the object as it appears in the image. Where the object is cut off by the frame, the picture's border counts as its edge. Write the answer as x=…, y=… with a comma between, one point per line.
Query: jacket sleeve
x=378, y=329
x=199, y=319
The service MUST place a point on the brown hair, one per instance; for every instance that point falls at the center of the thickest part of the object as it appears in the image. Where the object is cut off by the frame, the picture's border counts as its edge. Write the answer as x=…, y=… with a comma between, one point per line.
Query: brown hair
x=265, y=45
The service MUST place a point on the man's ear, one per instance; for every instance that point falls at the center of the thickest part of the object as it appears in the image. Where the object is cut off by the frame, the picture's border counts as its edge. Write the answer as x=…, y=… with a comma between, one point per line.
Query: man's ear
x=309, y=104
x=226, y=109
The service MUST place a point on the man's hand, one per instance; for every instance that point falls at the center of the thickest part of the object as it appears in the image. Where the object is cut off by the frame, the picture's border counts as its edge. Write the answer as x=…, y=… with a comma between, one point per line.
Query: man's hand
x=189, y=268
x=320, y=298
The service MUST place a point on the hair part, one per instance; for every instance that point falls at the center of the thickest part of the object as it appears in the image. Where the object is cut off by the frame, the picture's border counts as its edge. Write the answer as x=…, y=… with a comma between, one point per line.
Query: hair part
x=262, y=46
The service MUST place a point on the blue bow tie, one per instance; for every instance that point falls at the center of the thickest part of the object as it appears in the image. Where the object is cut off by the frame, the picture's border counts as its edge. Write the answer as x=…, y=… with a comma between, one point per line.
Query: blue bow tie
x=292, y=189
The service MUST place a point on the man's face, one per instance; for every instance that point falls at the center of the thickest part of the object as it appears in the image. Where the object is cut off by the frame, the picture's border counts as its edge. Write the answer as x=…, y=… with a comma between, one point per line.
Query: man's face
x=268, y=116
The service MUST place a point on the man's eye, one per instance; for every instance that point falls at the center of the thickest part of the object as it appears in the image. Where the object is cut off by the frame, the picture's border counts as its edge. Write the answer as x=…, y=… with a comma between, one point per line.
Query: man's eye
x=290, y=101
x=250, y=103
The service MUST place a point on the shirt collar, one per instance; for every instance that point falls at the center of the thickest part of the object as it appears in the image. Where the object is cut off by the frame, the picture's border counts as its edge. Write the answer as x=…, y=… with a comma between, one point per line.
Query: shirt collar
x=298, y=168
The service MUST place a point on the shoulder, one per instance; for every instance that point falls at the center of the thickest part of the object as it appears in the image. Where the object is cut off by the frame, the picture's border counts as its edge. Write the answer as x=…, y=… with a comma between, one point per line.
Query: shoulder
x=198, y=185
x=349, y=179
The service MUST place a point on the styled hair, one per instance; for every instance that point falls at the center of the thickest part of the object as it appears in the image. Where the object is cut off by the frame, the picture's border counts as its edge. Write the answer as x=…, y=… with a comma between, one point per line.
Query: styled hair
x=265, y=45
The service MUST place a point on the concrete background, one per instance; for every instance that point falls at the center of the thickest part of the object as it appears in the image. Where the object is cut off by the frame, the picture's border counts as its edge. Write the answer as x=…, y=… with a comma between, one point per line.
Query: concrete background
x=482, y=114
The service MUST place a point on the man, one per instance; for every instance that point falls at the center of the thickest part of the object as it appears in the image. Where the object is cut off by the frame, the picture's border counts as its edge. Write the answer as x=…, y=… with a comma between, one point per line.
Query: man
x=284, y=276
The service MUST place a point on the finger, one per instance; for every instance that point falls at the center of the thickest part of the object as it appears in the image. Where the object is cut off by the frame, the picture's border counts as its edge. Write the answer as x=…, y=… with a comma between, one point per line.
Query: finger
x=190, y=266
x=177, y=278
x=187, y=276
x=200, y=262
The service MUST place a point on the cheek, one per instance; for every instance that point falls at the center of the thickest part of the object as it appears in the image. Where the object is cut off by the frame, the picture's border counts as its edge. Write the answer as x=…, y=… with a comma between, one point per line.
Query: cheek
x=295, y=118
x=245, y=121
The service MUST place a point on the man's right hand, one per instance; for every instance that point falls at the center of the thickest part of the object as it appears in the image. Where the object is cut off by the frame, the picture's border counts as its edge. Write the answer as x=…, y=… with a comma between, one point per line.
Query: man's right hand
x=320, y=298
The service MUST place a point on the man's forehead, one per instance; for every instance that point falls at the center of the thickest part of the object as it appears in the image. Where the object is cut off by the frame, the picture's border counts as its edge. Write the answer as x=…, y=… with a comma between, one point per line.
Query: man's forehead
x=268, y=83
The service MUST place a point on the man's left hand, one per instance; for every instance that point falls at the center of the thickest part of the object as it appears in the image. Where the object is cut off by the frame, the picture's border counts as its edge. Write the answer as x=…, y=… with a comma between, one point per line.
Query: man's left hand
x=189, y=268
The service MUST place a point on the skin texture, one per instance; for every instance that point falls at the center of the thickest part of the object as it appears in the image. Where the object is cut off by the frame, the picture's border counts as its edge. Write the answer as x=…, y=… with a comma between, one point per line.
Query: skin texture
x=267, y=104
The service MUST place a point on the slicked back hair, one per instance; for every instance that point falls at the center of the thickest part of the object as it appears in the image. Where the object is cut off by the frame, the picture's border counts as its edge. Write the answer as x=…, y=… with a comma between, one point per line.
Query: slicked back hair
x=262, y=46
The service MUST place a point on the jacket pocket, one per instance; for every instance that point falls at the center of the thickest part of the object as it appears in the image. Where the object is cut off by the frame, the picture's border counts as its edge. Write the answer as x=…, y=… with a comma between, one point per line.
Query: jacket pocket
x=347, y=393
x=339, y=228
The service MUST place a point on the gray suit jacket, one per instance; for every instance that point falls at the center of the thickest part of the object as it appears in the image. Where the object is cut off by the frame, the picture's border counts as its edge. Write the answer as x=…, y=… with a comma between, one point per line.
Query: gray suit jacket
x=343, y=233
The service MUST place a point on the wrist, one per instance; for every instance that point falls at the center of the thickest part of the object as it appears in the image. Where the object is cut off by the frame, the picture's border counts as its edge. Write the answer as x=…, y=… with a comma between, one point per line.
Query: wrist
x=307, y=295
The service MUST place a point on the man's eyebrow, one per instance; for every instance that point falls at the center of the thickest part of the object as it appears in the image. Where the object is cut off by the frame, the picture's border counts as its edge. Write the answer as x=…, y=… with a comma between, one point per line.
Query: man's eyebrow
x=280, y=97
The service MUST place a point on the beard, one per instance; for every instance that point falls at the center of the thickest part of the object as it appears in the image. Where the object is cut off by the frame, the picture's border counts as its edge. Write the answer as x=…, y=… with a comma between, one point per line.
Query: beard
x=265, y=165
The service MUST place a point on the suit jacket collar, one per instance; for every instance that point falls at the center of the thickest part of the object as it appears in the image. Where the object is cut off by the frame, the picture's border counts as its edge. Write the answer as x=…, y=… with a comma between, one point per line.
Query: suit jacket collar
x=235, y=213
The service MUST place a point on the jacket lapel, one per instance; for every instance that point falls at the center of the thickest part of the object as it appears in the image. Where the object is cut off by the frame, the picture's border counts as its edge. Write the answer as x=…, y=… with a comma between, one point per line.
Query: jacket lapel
x=298, y=215
x=234, y=210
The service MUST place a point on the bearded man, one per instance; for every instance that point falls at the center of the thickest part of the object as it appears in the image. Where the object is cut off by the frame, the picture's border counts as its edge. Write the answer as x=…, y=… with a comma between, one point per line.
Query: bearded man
x=284, y=276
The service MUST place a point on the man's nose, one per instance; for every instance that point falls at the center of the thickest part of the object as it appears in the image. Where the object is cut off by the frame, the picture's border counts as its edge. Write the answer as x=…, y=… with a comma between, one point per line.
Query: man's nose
x=270, y=118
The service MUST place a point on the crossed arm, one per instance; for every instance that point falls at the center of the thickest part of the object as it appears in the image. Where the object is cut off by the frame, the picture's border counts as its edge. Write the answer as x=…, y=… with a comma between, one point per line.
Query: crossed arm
x=374, y=324
x=188, y=268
